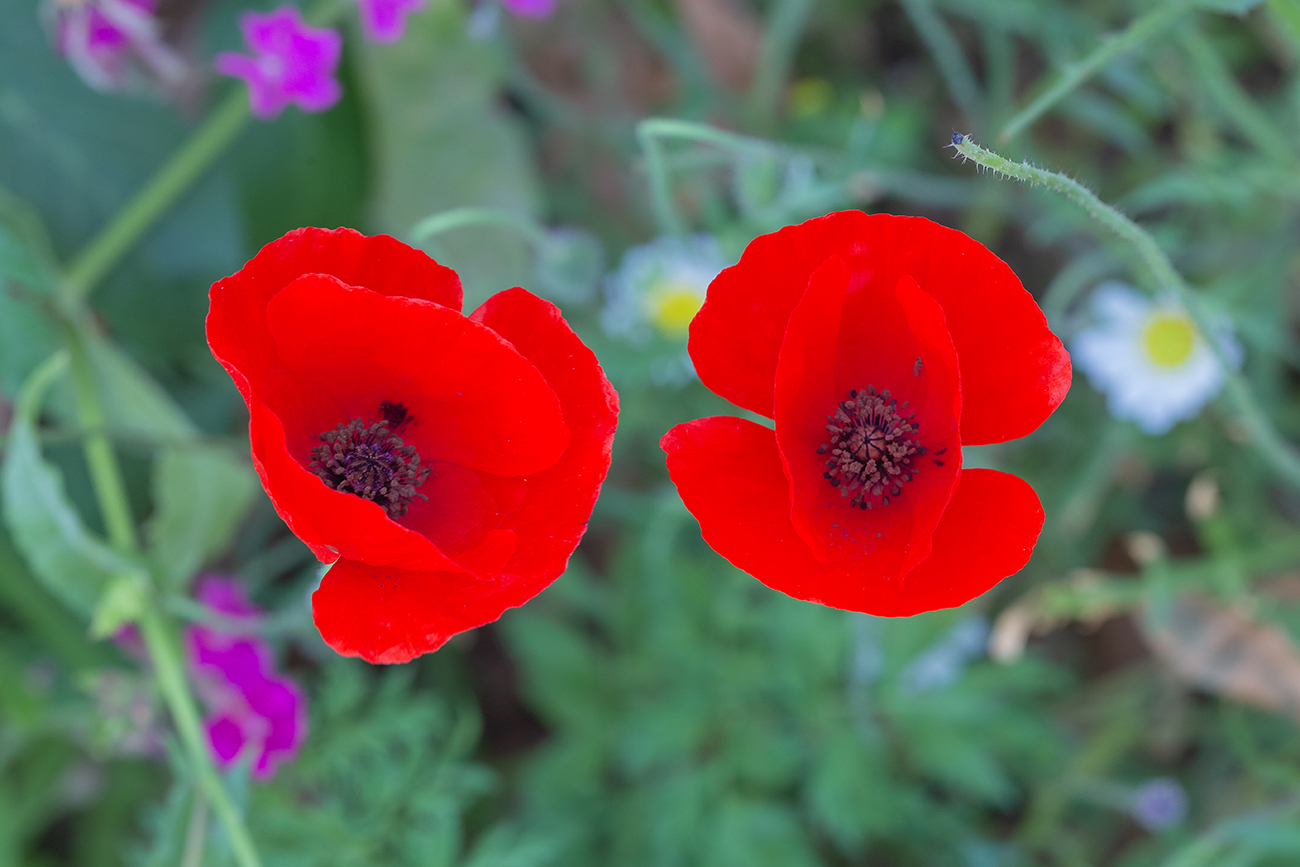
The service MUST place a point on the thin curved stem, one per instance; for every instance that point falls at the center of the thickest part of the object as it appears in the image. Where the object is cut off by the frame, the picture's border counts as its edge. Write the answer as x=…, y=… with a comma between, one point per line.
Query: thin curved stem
x=167, y=185
x=648, y=134
x=1277, y=451
x=158, y=633
x=463, y=218
x=1142, y=28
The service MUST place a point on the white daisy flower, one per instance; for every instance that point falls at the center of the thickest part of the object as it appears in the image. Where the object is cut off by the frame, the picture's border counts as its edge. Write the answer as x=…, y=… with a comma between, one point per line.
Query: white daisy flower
x=1155, y=368
x=660, y=286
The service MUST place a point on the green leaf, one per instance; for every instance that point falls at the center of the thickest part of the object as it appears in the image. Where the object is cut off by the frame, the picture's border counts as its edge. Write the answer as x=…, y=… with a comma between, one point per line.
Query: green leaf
x=200, y=491
x=72, y=563
x=122, y=602
x=1233, y=7
x=440, y=141
x=199, y=496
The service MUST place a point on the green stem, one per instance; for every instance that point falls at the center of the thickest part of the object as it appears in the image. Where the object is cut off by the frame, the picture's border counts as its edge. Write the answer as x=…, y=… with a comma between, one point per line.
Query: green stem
x=1286, y=13
x=106, y=475
x=130, y=223
x=460, y=218
x=947, y=54
x=1142, y=28
x=1232, y=99
x=785, y=25
x=1270, y=443
x=197, y=831
x=651, y=130
x=162, y=643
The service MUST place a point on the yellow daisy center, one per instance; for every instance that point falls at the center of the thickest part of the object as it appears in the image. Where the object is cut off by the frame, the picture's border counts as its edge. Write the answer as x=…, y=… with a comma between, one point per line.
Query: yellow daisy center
x=673, y=306
x=1168, y=339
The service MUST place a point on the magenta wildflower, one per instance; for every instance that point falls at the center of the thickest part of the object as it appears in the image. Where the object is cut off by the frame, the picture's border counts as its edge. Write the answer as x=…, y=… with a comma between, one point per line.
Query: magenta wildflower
x=385, y=20
x=113, y=44
x=251, y=709
x=291, y=62
x=530, y=8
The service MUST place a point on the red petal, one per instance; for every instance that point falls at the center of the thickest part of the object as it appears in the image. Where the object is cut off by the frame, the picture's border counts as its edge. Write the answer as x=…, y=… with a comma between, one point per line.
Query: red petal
x=330, y=522
x=236, y=319
x=549, y=511
x=729, y=474
x=388, y=615
x=473, y=399
x=892, y=338
x=1014, y=371
x=987, y=533
x=394, y=615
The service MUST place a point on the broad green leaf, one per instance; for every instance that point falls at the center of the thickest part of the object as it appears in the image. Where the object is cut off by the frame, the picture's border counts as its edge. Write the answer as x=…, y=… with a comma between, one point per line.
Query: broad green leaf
x=62, y=553
x=199, y=495
x=440, y=141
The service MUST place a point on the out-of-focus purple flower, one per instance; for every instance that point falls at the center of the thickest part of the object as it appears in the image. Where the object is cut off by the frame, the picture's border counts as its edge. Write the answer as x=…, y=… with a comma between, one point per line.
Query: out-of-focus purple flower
x=530, y=8
x=385, y=20
x=252, y=709
x=113, y=44
x=1159, y=804
x=291, y=62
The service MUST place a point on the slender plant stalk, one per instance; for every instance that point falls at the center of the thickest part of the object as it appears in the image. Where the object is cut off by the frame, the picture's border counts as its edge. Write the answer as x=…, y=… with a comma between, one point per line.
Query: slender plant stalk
x=159, y=635
x=167, y=185
x=461, y=218
x=197, y=831
x=1233, y=100
x=650, y=131
x=1263, y=434
x=785, y=24
x=947, y=54
x=1143, y=28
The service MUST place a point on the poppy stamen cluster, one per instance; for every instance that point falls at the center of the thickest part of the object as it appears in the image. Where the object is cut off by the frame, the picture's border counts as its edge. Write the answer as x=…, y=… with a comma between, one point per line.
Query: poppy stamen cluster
x=371, y=461
x=871, y=448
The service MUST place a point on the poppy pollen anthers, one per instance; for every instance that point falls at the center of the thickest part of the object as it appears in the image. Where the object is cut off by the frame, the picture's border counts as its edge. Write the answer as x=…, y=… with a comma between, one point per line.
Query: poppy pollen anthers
x=371, y=461
x=871, y=448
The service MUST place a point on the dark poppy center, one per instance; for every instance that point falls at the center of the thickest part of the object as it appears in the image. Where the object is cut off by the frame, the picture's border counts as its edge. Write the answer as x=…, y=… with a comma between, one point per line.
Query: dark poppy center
x=371, y=461
x=872, y=448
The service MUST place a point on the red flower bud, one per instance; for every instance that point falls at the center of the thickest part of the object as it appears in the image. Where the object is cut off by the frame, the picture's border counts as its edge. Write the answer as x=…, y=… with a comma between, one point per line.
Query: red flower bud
x=878, y=345
x=446, y=465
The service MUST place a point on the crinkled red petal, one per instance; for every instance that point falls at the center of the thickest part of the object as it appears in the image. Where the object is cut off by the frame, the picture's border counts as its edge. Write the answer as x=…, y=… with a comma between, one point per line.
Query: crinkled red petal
x=473, y=400
x=386, y=615
x=1014, y=371
x=902, y=346
x=236, y=326
x=729, y=474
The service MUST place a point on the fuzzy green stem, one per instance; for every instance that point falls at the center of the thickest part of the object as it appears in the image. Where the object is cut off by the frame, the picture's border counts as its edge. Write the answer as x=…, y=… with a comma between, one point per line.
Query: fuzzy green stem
x=650, y=131
x=167, y=185
x=197, y=831
x=461, y=218
x=1143, y=28
x=159, y=637
x=1263, y=434
x=785, y=24
x=947, y=54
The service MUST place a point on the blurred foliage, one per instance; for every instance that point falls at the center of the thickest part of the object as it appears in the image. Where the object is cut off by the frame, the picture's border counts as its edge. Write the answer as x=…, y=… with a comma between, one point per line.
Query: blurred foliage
x=656, y=707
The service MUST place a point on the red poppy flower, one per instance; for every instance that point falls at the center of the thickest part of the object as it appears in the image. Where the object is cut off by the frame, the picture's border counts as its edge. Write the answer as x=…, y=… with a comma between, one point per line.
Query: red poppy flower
x=879, y=345
x=445, y=464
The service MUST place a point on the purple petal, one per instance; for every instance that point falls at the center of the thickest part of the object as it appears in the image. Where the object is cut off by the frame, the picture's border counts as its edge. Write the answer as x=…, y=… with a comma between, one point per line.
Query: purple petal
x=227, y=739
x=385, y=20
x=292, y=62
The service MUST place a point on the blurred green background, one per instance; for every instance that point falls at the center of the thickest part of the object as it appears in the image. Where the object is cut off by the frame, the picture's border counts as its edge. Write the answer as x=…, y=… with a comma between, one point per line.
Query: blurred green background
x=655, y=706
